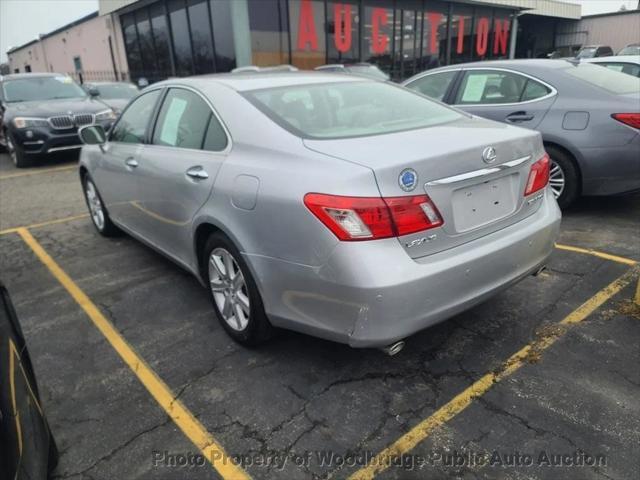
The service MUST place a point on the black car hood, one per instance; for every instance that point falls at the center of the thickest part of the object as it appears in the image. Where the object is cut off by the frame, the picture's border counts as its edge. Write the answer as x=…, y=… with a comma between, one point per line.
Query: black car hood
x=50, y=108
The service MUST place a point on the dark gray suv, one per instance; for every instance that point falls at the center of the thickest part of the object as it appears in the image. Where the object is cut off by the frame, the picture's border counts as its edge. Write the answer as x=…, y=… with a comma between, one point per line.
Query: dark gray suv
x=40, y=113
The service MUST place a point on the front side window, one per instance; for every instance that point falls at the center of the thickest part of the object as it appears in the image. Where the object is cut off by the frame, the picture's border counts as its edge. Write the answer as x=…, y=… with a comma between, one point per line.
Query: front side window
x=132, y=125
x=434, y=85
x=348, y=109
x=491, y=87
x=41, y=88
x=186, y=121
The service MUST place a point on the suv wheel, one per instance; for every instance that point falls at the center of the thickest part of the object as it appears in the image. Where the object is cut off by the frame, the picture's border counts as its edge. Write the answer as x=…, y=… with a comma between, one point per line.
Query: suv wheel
x=234, y=293
x=18, y=157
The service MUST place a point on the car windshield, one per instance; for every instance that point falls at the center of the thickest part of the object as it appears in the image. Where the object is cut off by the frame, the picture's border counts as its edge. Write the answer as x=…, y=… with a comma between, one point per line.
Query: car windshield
x=609, y=80
x=117, y=90
x=630, y=50
x=41, y=88
x=348, y=109
x=587, y=52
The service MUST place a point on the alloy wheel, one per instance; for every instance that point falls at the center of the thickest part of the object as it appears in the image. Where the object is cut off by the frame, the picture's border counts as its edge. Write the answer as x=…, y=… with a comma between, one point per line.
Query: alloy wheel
x=95, y=205
x=557, y=180
x=229, y=289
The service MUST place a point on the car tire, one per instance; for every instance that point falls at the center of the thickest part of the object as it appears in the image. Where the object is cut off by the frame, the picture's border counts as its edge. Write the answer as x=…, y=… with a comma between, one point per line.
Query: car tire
x=246, y=324
x=564, y=177
x=18, y=157
x=97, y=211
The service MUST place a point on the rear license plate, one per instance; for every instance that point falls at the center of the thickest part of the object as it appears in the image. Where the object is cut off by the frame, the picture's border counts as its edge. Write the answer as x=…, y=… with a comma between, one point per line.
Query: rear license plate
x=484, y=203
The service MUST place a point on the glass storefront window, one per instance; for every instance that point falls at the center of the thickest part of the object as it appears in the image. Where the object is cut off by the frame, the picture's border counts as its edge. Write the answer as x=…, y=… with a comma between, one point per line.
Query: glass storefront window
x=434, y=37
x=160, y=31
x=201, y=36
x=269, y=32
x=180, y=37
x=223, y=35
x=343, y=25
x=131, y=44
x=308, y=37
x=500, y=37
x=461, y=38
x=482, y=27
x=377, y=33
x=145, y=40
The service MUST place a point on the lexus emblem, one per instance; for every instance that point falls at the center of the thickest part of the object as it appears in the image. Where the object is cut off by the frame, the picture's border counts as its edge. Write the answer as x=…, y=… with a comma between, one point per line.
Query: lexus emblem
x=489, y=155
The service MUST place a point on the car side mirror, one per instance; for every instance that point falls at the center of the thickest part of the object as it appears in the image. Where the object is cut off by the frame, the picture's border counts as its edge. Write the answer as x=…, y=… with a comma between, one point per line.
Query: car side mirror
x=93, y=135
x=94, y=92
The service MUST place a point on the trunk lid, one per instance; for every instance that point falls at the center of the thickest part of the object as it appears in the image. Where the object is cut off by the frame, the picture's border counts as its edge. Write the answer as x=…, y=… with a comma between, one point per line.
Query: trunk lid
x=474, y=197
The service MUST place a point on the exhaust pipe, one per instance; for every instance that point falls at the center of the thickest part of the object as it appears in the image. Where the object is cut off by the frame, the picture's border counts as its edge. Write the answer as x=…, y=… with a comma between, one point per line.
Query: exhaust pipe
x=394, y=348
x=539, y=271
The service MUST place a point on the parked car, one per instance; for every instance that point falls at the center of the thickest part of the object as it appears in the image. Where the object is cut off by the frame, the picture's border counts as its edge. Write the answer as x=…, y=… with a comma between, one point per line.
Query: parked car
x=592, y=51
x=629, y=64
x=338, y=206
x=114, y=94
x=588, y=116
x=631, y=49
x=361, y=69
x=28, y=448
x=41, y=113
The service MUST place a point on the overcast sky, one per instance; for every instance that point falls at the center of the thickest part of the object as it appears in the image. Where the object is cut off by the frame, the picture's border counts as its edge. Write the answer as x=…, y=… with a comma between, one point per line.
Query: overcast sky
x=22, y=20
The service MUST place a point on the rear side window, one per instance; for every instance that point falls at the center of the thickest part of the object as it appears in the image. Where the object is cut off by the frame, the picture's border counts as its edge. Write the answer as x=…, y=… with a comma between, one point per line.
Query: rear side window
x=613, y=82
x=494, y=87
x=132, y=126
x=348, y=109
x=186, y=121
x=434, y=85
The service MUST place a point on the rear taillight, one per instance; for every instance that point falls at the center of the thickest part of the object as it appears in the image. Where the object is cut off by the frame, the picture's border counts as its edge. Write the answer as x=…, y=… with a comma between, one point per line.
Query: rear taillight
x=538, y=175
x=631, y=119
x=368, y=218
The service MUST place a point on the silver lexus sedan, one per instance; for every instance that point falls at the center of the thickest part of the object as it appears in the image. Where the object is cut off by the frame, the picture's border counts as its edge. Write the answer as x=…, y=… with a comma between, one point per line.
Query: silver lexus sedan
x=341, y=207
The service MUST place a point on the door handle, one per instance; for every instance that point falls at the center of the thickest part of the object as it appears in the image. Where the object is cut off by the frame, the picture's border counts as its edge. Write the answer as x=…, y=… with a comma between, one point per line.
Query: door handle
x=198, y=173
x=131, y=162
x=519, y=117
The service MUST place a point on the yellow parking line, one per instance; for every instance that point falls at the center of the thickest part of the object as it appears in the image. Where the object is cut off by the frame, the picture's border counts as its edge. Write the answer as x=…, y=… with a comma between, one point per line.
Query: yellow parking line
x=44, y=224
x=37, y=172
x=460, y=402
x=181, y=416
x=595, y=253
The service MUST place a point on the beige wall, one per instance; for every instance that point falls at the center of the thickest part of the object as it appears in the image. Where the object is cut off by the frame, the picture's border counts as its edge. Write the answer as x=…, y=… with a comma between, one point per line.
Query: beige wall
x=617, y=31
x=88, y=40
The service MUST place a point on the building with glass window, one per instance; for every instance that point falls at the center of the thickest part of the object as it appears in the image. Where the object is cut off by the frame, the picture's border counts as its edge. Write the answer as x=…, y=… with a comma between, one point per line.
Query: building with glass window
x=156, y=39
x=185, y=37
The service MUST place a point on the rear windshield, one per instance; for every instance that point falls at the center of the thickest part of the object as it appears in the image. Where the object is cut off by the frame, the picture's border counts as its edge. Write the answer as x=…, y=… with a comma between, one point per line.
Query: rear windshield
x=117, y=90
x=587, y=52
x=609, y=80
x=349, y=109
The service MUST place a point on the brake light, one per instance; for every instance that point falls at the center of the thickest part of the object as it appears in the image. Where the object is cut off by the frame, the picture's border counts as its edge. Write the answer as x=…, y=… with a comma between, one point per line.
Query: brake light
x=369, y=218
x=538, y=175
x=631, y=119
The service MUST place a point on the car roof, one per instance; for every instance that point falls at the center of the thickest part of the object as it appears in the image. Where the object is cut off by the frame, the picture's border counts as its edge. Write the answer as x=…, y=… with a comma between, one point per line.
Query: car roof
x=615, y=58
x=15, y=76
x=244, y=81
x=528, y=62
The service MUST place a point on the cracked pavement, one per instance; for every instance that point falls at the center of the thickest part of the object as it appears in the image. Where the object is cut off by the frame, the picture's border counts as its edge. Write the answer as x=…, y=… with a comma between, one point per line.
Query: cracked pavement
x=298, y=396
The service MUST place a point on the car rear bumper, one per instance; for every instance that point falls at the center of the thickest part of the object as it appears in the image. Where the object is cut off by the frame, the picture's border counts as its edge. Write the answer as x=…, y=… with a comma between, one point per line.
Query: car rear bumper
x=611, y=170
x=371, y=294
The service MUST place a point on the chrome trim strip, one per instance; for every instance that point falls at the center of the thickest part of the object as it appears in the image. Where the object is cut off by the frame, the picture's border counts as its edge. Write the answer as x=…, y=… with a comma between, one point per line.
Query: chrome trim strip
x=37, y=142
x=60, y=149
x=478, y=173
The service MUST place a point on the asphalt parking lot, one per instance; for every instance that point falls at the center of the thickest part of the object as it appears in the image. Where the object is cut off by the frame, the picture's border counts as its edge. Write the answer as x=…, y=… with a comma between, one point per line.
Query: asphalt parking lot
x=139, y=380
